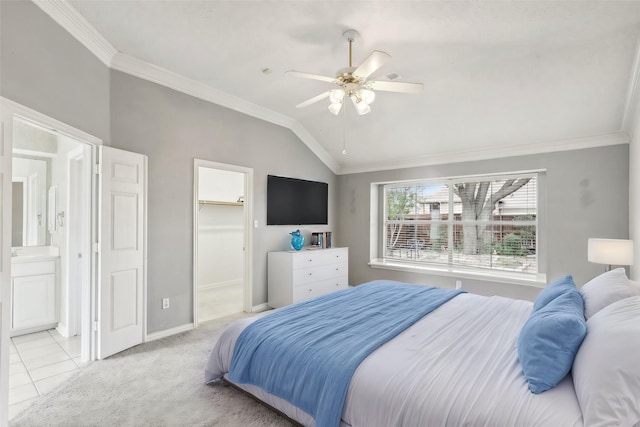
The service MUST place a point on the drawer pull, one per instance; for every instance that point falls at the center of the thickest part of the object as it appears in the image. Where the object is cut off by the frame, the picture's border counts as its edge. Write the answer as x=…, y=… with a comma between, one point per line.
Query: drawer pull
x=310, y=274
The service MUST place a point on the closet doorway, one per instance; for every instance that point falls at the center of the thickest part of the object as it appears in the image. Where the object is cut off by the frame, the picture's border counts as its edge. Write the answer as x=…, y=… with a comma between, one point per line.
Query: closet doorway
x=222, y=219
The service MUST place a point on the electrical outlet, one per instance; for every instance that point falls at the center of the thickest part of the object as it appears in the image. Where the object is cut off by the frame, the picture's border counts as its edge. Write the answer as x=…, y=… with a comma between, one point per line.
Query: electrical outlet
x=165, y=303
x=458, y=284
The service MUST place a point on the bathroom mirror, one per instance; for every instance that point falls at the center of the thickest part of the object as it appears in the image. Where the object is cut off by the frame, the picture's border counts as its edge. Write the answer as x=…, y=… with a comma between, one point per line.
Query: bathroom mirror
x=29, y=202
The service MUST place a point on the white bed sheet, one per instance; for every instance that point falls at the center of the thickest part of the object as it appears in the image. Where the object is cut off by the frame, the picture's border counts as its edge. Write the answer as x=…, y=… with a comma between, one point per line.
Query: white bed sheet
x=458, y=366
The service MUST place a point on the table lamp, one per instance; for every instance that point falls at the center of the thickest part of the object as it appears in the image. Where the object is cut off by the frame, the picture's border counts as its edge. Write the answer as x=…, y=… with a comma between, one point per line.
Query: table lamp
x=610, y=252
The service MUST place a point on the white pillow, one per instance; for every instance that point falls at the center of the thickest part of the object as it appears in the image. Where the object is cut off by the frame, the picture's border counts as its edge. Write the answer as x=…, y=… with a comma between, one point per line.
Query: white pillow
x=606, y=370
x=605, y=289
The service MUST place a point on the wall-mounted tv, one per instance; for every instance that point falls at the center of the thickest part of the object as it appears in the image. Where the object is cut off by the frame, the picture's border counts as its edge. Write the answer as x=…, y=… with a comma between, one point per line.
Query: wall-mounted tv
x=292, y=201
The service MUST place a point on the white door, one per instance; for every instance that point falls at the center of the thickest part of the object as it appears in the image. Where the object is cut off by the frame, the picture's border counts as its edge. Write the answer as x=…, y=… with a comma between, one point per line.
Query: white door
x=121, y=253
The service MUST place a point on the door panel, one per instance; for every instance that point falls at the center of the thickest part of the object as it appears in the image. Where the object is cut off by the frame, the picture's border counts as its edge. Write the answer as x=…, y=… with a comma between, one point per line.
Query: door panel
x=121, y=250
x=124, y=295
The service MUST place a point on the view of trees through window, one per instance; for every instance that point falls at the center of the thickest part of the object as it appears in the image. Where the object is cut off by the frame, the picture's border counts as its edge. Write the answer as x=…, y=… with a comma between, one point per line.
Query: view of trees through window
x=485, y=223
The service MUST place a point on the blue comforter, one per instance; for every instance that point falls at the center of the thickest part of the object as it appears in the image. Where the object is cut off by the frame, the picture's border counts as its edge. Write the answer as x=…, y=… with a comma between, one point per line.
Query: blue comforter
x=307, y=353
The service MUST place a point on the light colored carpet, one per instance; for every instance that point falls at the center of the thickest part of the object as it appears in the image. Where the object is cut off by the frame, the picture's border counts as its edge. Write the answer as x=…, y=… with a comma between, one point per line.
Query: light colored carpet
x=159, y=383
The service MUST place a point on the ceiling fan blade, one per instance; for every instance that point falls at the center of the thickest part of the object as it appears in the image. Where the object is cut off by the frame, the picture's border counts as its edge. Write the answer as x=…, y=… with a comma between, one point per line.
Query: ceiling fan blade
x=314, y=99
x=374, y=61
x=402, y=87
x=311, y=76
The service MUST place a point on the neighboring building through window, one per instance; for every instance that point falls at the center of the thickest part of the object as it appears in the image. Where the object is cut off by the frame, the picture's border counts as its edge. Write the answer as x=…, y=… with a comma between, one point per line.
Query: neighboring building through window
x=488, y=223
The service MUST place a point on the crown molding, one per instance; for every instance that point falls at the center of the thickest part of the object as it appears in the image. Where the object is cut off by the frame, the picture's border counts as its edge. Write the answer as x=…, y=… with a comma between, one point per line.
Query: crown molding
x=632, y=104
x=614, y=138
x=71, y=20
x=317, y=149
x=144, y=70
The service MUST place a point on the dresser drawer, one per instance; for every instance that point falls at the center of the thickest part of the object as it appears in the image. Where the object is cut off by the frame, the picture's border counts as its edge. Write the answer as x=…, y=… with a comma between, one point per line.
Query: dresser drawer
x=317, y=289
x=305, y=276
x=317, y=257
x=33, y=268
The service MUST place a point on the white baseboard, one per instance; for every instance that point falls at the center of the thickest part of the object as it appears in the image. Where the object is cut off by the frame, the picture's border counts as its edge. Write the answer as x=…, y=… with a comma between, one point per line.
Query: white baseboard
x=63, y=330
x=221, y=284
x=260, y=307
x=168, y=332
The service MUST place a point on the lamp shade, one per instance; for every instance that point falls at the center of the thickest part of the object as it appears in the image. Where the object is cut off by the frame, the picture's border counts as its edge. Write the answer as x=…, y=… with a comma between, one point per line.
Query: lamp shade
x=610, y=251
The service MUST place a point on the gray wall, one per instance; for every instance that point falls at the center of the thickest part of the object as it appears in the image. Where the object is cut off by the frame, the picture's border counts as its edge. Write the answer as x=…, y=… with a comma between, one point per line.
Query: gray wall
x=173, y=129
x=43, y=67
x=586, y=195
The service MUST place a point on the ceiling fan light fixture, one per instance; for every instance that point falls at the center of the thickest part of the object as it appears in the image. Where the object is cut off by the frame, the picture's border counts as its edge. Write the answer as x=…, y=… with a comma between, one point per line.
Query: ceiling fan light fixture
x=336, y=96
x=353, y=82
x=367, y=95
x=335, y=107
x=361, y=106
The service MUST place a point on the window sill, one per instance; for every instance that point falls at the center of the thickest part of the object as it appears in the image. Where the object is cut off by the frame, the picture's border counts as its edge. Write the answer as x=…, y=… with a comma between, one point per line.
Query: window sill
x=538, y=281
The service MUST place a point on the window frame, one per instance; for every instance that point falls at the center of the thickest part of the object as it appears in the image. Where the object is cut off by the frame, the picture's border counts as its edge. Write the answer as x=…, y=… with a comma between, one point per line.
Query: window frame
x=378, y=235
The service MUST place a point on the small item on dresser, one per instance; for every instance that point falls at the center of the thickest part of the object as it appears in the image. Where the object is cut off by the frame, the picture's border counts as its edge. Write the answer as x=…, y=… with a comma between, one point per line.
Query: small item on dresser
x=297, y=240
x=321, y=239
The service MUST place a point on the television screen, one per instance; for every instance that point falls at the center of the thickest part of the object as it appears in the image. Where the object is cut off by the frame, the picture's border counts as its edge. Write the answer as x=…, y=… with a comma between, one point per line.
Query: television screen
x=292, y=201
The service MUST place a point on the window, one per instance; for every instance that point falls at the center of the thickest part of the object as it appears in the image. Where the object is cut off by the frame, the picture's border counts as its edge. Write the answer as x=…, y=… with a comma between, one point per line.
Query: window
x=487, y=223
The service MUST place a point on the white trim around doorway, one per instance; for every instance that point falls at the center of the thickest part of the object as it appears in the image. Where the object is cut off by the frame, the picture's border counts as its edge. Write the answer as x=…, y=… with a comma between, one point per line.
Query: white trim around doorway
x=248, y=226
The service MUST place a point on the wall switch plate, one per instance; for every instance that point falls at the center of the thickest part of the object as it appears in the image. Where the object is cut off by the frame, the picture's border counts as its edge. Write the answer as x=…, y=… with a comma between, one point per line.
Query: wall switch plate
x=165, y=303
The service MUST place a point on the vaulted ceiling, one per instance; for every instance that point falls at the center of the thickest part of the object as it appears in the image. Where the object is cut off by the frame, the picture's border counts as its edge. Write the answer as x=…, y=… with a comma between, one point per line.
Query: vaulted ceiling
x=500, y=78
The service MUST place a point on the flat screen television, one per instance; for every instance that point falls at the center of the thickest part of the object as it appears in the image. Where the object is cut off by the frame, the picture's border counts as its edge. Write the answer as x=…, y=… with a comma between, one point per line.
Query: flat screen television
x=292, y=201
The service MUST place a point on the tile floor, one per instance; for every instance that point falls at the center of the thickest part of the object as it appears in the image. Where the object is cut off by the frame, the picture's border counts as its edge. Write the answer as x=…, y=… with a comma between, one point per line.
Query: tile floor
x=220, y=301
x=40, y=362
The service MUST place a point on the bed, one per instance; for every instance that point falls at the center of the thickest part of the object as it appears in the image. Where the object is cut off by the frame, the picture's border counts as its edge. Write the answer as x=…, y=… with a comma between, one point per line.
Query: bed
x=460, y=365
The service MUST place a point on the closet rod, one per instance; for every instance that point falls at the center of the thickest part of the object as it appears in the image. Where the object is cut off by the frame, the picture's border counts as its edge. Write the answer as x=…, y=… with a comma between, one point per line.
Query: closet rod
x=212, y=202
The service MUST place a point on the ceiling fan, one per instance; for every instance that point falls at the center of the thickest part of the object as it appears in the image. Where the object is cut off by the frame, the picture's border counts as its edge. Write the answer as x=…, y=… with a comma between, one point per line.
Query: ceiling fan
x=353, y=82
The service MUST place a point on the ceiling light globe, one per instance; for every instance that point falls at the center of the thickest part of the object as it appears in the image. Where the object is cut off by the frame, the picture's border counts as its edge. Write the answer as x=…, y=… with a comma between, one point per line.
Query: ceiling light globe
x=336, y=96
x=362, y=107
x=335, y=108
x=367, y=96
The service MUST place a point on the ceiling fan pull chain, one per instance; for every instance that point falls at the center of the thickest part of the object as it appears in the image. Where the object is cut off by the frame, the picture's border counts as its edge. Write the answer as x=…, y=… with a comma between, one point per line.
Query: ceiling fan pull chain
x=344, y=133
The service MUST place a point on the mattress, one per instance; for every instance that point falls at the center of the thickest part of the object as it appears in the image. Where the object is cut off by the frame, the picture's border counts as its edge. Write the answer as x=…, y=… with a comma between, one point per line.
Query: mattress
x=456, y=366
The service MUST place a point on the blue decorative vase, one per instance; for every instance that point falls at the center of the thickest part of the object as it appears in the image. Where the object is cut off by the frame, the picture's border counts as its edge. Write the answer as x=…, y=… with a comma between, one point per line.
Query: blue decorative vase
x=297, y=240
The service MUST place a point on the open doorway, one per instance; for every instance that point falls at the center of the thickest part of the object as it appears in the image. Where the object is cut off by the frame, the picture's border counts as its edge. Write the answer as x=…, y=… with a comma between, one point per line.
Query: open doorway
x=49, y=230
x=221, y=235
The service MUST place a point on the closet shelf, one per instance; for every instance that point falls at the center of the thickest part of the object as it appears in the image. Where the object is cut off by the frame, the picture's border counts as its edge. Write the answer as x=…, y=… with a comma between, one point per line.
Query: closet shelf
x=214, y=202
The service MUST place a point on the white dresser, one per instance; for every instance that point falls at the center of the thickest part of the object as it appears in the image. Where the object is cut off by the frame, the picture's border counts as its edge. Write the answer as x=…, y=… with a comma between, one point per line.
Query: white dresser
x=295, y=276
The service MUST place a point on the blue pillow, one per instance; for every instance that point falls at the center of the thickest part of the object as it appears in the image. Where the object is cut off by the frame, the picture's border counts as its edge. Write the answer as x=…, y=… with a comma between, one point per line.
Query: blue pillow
x=550, y=339
x=553, y=290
